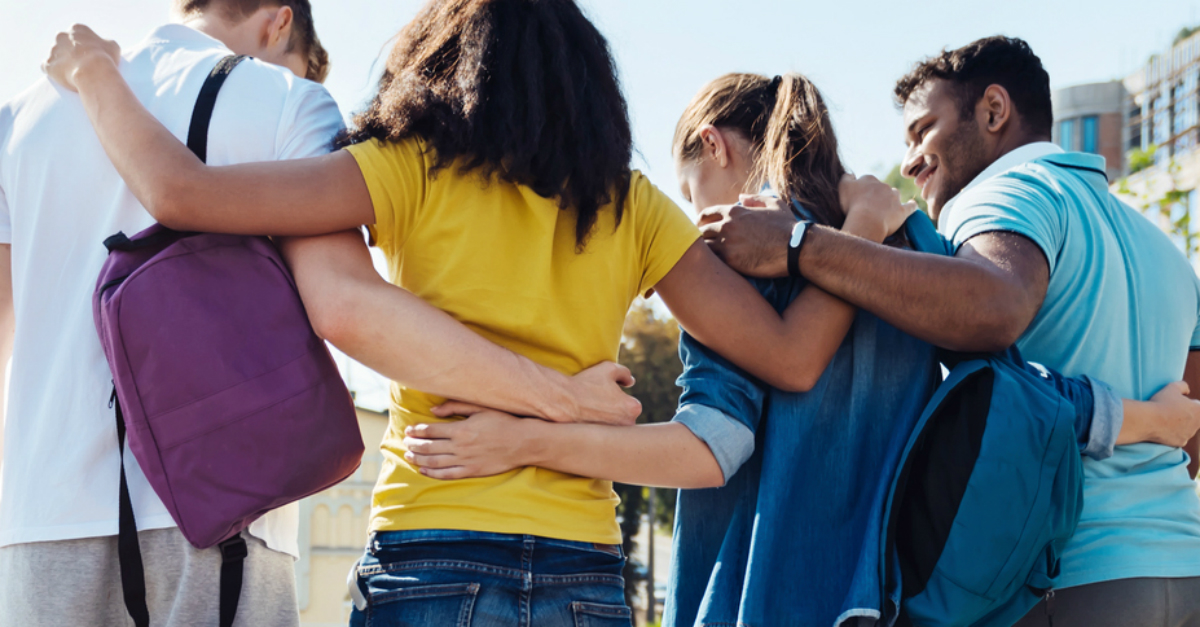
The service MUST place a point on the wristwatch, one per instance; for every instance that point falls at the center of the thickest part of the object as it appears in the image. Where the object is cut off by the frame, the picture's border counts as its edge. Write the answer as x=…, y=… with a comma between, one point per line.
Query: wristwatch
x=798, y=236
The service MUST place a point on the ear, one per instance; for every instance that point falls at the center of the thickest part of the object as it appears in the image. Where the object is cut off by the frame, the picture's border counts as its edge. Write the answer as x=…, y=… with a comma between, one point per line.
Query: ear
x=716, y=147
x=279, y=27
x=995, y=109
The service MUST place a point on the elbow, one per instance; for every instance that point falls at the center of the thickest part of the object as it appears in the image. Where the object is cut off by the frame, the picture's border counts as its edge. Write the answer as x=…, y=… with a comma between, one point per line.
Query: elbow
x=709, y=478
x=798, y=383
x=797, y=376
x=992, y=332
x=169, y=207
x=333, y=319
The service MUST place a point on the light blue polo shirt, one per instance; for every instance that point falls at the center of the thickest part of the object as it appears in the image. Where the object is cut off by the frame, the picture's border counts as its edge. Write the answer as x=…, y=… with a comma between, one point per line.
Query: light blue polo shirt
x=1123, y=306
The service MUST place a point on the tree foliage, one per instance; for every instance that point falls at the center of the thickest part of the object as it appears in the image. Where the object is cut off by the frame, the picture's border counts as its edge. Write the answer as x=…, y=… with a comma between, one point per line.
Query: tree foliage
x=1141, y=159
x=908, y=188
x=1184, y=33
x=1168, y=208
x=650, y=349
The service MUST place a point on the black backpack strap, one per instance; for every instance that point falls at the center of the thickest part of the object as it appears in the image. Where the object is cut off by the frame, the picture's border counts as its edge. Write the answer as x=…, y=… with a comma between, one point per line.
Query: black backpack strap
x=202, y=114
x=233, y=561
x=233, y=550
x=129, y=553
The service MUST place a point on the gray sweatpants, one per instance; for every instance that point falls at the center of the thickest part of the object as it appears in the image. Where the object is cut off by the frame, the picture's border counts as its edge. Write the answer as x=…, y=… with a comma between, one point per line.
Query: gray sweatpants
x=1121, y=603
x=78, y=583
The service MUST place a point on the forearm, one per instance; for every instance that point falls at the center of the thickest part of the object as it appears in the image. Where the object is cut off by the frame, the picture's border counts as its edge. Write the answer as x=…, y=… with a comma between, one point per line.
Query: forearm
x=947, y=301
x=300, y=197
x=666, y=455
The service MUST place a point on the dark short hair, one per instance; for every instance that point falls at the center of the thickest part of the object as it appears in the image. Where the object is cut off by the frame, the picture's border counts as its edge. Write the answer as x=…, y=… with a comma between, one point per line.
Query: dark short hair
x=1005, y=61
x=523, y=89
x=303, y=29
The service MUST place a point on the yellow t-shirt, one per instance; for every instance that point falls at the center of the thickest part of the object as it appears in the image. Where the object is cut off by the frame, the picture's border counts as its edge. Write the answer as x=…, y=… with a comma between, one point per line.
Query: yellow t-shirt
x=503, y=261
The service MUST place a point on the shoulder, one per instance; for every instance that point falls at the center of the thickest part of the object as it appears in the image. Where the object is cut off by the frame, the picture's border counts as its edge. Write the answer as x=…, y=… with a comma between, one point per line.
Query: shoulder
x=375, y=153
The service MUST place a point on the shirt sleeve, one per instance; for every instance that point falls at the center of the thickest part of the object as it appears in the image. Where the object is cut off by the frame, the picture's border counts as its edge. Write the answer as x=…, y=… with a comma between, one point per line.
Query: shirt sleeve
x=395, y=173
x=1099, y=412
x=665, y=232
x=1195, y=344
x=1014, y=202
x=720, y=404
x=5, y=220
x=310, y=123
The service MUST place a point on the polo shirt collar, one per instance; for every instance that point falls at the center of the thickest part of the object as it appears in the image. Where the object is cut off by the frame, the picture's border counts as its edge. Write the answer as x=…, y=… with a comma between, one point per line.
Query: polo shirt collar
x=1015, y=157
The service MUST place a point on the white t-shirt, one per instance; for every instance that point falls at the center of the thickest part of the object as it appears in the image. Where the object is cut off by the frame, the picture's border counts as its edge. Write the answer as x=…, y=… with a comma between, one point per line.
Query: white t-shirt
x=60, y=197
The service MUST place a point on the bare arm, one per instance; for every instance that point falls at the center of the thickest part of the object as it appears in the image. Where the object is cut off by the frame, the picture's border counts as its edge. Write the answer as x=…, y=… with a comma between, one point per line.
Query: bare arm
x=1191, y=376
x=664, y=455
x=300, y=197
x=7, y=326
x=407, y=340
x=724, y=312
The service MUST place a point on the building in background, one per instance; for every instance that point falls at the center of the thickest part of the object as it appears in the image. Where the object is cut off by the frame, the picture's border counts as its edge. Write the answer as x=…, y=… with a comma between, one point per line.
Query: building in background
x=333, y=534
x=1162, y=141
x=1091, y=118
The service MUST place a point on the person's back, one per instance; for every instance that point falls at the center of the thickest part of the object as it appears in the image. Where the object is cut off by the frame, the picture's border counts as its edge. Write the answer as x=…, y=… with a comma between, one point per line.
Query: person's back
x=1122, y=305
x=61, y=199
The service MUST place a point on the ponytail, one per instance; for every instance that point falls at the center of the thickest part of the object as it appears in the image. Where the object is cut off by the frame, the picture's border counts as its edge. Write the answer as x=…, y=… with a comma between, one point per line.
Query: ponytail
x=788, y=125
x=799, y=153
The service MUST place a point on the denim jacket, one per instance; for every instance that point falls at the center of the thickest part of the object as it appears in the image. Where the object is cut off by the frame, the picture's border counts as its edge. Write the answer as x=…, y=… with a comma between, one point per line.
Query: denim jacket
x=794, y=536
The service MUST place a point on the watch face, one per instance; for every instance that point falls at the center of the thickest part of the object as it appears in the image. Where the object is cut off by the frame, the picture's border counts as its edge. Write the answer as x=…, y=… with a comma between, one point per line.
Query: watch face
x=798, y=234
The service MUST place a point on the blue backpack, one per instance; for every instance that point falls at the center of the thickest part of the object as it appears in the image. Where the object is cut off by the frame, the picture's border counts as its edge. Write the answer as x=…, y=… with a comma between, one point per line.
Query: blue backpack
x=989, y=489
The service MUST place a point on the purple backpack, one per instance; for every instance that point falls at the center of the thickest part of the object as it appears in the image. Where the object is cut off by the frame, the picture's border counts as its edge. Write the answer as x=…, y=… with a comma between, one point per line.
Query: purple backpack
x=231, y=403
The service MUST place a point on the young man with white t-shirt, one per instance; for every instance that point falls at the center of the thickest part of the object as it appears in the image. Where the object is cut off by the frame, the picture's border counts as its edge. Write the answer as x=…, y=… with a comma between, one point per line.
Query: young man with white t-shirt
x=59, y=198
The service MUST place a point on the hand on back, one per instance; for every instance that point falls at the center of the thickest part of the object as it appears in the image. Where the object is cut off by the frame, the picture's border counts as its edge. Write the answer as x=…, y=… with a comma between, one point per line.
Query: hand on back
x=77, y=50
x=1180, y=416
x=873, y=208
x=600, y=396
x=750, y=236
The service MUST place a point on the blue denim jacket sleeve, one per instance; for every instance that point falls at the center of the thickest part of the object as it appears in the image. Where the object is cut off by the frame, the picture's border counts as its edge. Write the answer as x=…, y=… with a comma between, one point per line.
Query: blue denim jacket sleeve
x=721, y=404
x=1099, y=413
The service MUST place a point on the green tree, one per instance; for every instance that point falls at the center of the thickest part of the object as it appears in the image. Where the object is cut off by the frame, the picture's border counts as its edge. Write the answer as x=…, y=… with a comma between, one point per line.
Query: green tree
x=1169, y=208
x=1184, y=33
x=1141, y=159
x=650, y=349
x=908, y=188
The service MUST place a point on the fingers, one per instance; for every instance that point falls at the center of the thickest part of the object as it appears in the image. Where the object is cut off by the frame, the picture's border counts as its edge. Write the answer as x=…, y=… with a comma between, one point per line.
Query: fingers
x=422, y=446
x=448, y=474
x=456, y=408
x=621, y=375
x=433, y=431
x=431, y=461
x=1179, y=387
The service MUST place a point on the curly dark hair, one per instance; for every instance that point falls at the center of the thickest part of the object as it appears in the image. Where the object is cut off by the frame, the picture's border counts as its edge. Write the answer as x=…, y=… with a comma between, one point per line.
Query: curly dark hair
x=523, y=89
x=1005, y=61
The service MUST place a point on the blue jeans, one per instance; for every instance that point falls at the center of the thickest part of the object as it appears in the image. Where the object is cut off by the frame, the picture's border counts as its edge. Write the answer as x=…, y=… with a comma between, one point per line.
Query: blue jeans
x=443, y=578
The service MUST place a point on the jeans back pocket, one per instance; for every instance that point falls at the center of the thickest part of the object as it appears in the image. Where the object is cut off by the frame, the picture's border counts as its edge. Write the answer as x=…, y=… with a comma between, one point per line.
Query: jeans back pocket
x=599, y=615
x=421, y=605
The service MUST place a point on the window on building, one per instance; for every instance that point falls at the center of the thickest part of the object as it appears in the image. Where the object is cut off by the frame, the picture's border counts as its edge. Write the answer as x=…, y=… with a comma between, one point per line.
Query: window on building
x=1091, y=134
x=1066, y=134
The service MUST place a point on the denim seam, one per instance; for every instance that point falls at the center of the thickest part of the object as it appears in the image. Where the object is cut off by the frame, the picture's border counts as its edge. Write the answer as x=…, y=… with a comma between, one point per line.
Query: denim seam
x=367, y=571
x=435, y=591
x=587, y=578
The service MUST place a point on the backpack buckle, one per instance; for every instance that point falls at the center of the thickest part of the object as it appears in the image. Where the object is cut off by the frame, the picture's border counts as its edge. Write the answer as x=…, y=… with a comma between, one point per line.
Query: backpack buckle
x=234, y=549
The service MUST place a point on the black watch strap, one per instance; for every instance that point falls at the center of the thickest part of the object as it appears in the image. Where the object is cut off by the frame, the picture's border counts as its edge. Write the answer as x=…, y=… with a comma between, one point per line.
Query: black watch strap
x=794, y=246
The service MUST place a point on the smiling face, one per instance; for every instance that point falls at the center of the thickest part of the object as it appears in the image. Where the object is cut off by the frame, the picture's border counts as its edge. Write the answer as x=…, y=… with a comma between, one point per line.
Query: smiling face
x=945, y=150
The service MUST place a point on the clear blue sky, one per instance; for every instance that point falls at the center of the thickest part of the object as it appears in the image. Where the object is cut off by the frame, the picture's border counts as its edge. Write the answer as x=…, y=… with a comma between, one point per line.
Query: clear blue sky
x=667, y=49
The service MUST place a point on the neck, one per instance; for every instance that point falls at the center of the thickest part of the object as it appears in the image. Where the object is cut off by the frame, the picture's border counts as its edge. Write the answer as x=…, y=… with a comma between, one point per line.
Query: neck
x=1015, y=141
x=209, y=25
